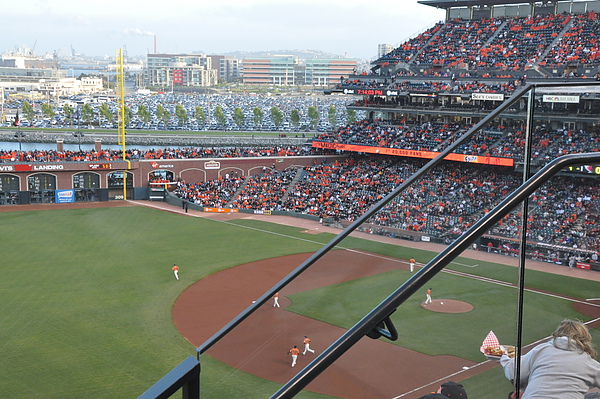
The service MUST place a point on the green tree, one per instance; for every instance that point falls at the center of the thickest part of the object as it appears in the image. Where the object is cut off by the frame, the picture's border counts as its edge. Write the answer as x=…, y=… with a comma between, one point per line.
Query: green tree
x=128, y=114
x=331, y=116
x=181, y=114
x=351, y=117
x=258, y=117
x=238, y=117
x=276, y=116
x=162, y=114
x=160, y=110
x=48, y=110
x=87, y=112
x=68, y=111
x=200, y=115
x=28, y=111
x=220, y=116
x=104, y=111
x=313, y=116
x=144, y=114
x=295, y=118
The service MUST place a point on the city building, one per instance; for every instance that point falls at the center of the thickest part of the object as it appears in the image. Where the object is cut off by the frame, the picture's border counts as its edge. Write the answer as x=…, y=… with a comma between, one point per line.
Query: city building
x=327, y=71
x=191, y=70
x=289, y=70
x=276, y=70
x=229, y=67
x=22, y=73
x=26, y=59
x=384, y=49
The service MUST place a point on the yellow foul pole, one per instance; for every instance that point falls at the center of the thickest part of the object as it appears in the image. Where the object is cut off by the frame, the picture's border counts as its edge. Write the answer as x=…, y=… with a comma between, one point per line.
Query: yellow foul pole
x=120, y=90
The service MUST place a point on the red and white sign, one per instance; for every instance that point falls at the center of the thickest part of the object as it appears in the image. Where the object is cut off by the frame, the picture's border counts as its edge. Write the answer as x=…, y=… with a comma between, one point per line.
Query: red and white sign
x=96, y=166
x=581, y=265
x=212, y=165
x=221, y=210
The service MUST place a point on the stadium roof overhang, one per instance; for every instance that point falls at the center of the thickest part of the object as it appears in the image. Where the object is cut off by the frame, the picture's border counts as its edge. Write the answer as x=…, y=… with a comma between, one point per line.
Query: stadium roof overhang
x=446, y=4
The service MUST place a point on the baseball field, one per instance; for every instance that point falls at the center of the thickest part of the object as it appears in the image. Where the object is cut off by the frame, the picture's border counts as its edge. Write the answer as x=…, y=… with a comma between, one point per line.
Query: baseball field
x=91, y=308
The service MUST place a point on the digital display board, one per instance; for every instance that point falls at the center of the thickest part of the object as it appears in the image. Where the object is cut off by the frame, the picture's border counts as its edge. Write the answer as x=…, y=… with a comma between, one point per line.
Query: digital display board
x=585, y=169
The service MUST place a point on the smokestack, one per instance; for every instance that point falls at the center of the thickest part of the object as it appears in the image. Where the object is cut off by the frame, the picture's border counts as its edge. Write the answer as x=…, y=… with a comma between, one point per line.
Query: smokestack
x=155, y=51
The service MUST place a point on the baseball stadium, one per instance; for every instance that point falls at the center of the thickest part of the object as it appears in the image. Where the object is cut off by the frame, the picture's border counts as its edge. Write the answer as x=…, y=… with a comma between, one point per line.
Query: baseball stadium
x=380, y=258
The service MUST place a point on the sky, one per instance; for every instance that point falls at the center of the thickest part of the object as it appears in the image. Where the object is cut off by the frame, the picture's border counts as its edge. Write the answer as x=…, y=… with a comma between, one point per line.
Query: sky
x=349, y=28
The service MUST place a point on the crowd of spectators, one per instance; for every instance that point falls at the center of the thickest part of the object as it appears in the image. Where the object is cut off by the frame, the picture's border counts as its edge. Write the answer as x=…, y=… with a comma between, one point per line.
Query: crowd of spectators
x=407, y=50
x=452, y=84
x=444, y=204
x=579, y=44
x=162, y=153
x=458, y=41
x=212, y=193
x=493, y=141
x=565, y=212
x=522, y=42
x=507, y=44
x=496, y=141
x=265, y=191
x=344, y=190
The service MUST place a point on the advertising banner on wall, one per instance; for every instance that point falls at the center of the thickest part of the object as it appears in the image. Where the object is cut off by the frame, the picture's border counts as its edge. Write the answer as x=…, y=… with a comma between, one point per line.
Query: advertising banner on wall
x=414, y=153
x=64, y=196
x=560, y=99
x=487, y=96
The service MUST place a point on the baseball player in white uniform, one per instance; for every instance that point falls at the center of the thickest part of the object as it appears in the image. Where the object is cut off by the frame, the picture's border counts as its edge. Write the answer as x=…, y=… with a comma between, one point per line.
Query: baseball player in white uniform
x=307, y=346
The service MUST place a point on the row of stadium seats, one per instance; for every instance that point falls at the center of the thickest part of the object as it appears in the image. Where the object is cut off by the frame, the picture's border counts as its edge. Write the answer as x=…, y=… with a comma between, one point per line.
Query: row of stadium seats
x=498, y=141
x=164, y=153
x=566, y=211
x=503, y=43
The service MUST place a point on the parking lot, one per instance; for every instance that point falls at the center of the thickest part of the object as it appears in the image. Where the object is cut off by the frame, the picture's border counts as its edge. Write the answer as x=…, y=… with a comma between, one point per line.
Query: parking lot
x=197, y=112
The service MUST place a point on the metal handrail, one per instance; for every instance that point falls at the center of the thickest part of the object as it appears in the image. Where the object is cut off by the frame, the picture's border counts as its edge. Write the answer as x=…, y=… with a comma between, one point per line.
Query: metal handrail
x=346, y=232
x=418, y=280
x=382, y=312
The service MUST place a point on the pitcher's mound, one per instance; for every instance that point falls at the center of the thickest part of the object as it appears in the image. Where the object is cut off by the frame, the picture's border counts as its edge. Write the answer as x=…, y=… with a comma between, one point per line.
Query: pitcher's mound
x=448, y=306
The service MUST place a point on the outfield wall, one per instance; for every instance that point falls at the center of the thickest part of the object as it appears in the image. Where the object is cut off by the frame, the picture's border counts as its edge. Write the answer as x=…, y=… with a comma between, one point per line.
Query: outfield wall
x=49, y=182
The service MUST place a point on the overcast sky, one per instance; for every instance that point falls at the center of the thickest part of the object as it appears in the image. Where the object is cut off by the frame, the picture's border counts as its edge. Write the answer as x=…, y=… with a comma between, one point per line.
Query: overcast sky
x=344, y=27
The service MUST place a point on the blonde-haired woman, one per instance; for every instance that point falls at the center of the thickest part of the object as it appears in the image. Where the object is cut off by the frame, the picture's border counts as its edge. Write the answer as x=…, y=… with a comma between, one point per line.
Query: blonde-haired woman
x=563, y=367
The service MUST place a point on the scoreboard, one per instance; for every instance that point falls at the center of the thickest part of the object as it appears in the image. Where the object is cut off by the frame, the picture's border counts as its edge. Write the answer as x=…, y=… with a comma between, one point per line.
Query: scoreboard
x=86, y=181
x=585, y=169
x=41, y=182
x=9, y=183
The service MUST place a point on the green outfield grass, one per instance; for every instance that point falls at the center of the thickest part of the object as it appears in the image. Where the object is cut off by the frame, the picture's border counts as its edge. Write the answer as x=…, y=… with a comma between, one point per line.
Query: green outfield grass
x=87, y=295
x=433, y=333
x=86, y=299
